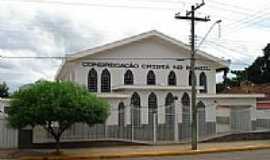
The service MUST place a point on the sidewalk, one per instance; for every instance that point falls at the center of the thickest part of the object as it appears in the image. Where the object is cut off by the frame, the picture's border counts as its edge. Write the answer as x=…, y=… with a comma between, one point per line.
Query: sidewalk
x=164, y=150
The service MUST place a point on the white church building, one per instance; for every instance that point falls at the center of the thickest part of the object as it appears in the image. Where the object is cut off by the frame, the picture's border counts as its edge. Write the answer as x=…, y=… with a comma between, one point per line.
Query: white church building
x=146, y=79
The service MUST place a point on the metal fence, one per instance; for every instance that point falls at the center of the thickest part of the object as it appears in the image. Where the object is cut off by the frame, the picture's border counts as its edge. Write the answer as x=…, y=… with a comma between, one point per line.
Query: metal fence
x=8, y=136
x=173, y=129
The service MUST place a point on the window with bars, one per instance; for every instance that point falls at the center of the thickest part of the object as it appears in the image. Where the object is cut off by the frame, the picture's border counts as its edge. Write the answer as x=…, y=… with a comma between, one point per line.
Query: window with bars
x=169, y=109
x=151, y=78
x=152, y=107
x=128, y=78
x=172, y=79
x=190, y=79
x=92, y=80
x=185, y=100
x=186, y=109
x=169, y=99
x=105, y=81
x=135, y=109
x=203, y=82
x=121, y=114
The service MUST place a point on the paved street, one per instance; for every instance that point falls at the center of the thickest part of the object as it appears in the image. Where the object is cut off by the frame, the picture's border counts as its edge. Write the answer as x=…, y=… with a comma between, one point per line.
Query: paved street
x=247, y=155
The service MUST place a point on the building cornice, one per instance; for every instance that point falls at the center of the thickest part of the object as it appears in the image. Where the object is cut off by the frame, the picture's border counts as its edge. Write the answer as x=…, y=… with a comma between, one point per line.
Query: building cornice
x=112, y=95
x=231, y=96
x=152, y=87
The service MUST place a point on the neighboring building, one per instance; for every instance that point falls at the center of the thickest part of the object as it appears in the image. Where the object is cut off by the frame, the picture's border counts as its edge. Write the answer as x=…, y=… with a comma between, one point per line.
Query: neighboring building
x=8, y=136
x=148, y=75
x=4, y=104
x=263, y=103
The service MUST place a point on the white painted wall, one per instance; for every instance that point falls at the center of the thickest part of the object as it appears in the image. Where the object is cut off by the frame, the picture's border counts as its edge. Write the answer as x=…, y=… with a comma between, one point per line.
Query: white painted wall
x=248, y=103
x=263, y=114
x=8, y=136
x=151, y=48
x=223, y=112
x=3, y=103
x=148, y=48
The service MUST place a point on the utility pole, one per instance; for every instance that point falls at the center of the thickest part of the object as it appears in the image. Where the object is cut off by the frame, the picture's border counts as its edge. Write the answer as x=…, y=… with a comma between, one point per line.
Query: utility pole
x=190, y=15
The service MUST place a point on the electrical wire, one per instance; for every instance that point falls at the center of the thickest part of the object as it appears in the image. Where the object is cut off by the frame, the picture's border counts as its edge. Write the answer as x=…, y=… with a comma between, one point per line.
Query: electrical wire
x=85, y=4
x=248, y=19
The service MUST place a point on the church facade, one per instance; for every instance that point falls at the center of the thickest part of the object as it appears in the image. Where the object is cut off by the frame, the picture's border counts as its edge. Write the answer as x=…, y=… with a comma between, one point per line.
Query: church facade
x=146, y=79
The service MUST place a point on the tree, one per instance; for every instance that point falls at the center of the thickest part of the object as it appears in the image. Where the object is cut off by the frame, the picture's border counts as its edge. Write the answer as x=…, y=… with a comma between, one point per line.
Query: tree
x=55, y=106
x=4, y=90
x=258, y=72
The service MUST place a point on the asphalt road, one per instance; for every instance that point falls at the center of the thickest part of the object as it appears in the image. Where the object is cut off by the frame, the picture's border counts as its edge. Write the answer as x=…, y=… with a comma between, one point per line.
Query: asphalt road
x=245, y=155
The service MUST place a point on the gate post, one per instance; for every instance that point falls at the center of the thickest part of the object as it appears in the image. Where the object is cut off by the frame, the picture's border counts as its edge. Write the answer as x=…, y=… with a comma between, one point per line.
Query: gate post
x=131, y=123
x=176, y=137
x=154, y=128
x=105, y=131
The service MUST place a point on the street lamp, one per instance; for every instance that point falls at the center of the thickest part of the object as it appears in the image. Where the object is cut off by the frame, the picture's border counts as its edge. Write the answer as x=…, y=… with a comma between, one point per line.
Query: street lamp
x=207, y=33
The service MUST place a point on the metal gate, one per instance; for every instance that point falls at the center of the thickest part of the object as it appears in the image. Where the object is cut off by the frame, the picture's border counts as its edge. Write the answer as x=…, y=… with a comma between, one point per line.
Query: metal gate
x=240, y=119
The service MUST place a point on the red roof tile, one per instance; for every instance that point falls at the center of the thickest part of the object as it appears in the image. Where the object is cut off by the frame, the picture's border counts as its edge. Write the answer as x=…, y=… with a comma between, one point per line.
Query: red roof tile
x=263, y=105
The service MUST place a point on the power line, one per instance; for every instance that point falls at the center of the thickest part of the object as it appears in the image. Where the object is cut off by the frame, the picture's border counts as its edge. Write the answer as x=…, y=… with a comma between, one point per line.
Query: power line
x=237, y=7
x=67, y=57
x=254, y=17
x=128, y=6
x=166, y=59
x=85, y=4
x=239, y=61
x=229, y=10
x=115, y=58
x=249, y=23
x=223, y=46
x=232, y=40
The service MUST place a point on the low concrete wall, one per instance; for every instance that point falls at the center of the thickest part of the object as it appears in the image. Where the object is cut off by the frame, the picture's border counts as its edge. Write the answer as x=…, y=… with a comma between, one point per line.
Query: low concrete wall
x=241, y=137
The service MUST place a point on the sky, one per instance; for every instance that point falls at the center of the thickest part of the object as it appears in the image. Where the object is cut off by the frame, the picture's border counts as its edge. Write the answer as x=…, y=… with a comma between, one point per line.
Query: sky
x=54, y=28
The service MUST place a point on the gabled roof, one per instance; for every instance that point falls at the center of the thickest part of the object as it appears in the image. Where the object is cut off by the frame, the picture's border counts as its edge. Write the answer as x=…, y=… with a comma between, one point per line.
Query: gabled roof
x=153, y=33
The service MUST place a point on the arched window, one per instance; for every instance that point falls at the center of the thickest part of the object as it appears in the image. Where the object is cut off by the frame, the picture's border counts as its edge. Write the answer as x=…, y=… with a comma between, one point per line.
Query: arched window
x=185, y=100
x=135, y=109
x=172, y=79
x=128, y=78
x=151, y=78
x=203, y=82
x=186, y=116
x=169, y=99
x=92, y=80
x=152, y=107
x=202, y=127
x=169, y=109
x=136, y=100
x=121, y=114
x=105, y=81
x=190, y=79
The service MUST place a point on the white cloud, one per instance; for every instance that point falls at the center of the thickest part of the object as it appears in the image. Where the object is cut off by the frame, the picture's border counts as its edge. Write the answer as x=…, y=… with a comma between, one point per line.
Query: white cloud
x=58, y=27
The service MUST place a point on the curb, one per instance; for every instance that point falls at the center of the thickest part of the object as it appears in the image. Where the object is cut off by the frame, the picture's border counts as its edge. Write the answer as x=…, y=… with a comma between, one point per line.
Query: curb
x=148, y=154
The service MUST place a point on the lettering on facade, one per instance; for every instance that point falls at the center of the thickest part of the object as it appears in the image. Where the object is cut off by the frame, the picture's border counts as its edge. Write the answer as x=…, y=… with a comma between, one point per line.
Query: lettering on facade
x=143, y=66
